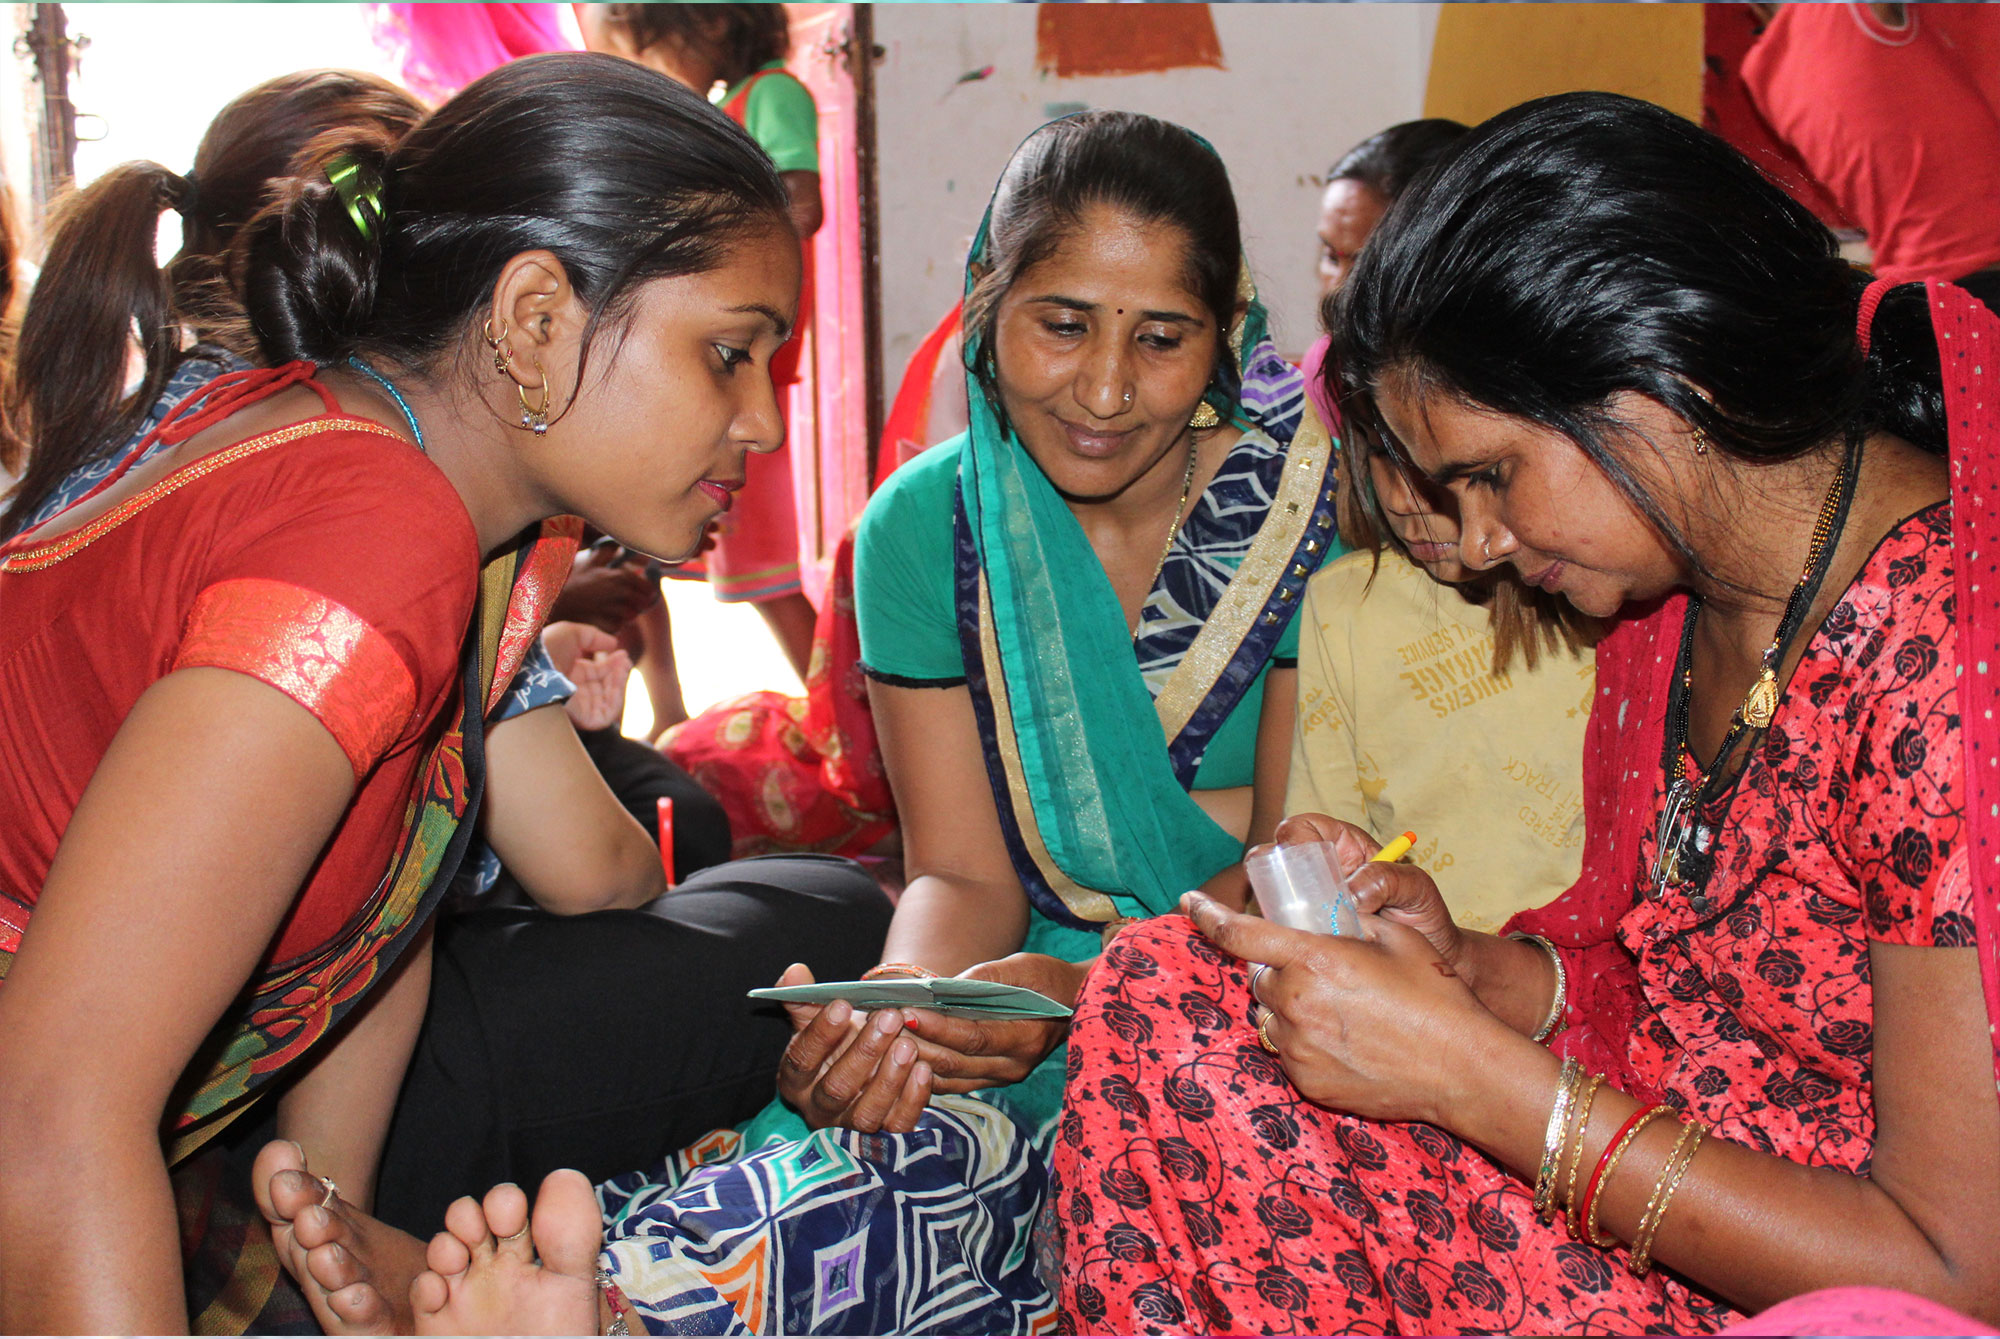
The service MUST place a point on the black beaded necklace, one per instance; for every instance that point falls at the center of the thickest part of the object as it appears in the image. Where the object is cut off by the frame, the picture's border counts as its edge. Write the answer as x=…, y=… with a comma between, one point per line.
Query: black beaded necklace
x=1684, y=841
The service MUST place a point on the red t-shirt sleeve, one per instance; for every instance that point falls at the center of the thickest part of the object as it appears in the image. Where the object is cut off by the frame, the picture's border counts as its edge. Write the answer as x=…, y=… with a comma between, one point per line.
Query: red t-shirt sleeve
x=344, y=577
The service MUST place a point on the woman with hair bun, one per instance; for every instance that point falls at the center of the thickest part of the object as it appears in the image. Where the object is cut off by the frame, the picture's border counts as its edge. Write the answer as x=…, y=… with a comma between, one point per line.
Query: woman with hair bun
x=1652, y=386
x=242, y=681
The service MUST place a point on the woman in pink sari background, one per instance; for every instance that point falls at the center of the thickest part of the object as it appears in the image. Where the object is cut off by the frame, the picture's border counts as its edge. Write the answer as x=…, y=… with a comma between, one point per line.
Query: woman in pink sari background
x=439, y=49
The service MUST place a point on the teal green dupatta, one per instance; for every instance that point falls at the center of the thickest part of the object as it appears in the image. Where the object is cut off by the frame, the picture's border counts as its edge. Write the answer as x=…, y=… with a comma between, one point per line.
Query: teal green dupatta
x=1083, y=758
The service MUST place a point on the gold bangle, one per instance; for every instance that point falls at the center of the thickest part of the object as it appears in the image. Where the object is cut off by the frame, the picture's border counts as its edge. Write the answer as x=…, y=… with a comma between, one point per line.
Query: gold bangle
x=1603, y=1177
x=1560, y=1004
x=909, y=969
x=1676, y=1167
x=1580, y=1123
x=1552, y=1141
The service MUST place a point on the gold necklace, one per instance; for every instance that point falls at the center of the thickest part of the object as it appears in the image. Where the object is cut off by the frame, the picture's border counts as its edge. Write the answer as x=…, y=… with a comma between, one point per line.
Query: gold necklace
x=1180, y=512
x=1760, y=704
x=1679, y=816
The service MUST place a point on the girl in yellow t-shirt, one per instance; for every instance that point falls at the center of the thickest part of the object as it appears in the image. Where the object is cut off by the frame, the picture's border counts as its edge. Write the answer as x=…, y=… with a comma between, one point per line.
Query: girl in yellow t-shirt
x=1436, y=698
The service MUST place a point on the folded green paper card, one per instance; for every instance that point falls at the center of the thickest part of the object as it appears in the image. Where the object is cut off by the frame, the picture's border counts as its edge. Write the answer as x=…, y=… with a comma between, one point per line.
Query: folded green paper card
x=941, y=994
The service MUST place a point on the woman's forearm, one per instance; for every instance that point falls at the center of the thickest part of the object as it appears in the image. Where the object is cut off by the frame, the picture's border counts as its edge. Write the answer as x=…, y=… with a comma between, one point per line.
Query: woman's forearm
x=948, y=924
x=88, y=1238
x=1750, y=1227
x=1512, y=977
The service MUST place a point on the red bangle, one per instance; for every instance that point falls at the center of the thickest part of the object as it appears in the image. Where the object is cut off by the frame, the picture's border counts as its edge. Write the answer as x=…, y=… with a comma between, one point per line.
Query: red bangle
x=1587, y=1211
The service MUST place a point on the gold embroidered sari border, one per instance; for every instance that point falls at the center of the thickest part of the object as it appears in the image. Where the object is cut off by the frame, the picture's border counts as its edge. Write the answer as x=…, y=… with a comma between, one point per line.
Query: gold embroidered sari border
x=1308, y=461
x=1086, y=903
x=36, y=557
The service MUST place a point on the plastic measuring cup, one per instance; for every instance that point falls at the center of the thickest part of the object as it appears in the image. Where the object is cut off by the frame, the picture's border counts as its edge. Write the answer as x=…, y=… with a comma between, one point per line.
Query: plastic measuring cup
x=1301, y=887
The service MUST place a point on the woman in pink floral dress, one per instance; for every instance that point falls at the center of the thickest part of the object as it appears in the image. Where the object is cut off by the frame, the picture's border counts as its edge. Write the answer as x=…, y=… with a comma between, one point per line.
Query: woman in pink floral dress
x=1654, y=387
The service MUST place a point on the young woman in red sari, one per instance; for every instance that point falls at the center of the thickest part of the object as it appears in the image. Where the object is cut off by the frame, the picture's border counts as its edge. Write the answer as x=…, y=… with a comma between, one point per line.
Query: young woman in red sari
x=1651, y=385
x=241, y=683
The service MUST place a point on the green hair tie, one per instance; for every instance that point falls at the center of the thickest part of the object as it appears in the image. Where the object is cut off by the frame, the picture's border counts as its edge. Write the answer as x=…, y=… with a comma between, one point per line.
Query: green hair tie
x=360, y=190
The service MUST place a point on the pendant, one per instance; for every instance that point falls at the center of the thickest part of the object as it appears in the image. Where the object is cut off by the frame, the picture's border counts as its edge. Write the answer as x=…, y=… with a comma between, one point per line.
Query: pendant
x=1760, y=704
x=1668, y=839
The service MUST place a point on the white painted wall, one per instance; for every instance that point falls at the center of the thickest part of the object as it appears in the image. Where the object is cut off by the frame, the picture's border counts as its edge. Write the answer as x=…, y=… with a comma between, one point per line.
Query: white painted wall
x=1303, y=83
x=154, y=76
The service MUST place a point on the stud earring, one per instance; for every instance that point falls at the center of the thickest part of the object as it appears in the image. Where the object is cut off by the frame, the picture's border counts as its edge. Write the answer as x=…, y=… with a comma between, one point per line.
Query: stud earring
x=1204, y=416
x=1700, y=442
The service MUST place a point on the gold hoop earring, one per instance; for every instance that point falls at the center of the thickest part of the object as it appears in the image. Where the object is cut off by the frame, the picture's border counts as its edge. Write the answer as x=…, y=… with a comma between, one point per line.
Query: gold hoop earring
x=1204, y=416
x=535, y=418
x=503, y=353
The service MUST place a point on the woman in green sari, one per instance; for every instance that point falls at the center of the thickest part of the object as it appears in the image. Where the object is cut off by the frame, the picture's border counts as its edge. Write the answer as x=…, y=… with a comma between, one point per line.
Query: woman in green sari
x=1077, y=625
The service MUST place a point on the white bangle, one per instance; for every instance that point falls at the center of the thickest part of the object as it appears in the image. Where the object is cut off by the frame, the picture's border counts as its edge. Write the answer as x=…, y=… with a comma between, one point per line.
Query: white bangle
x=1560, y=1004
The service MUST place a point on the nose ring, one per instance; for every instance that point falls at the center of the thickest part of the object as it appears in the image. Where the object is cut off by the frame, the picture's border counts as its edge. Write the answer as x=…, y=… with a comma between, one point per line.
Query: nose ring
x=1486, y=548
x=1126, y=403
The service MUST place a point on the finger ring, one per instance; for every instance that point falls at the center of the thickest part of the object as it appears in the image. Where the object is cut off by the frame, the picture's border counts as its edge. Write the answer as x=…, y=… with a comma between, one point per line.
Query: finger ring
x=1264, y=1036
x=332, y=1192
x=1256, y=973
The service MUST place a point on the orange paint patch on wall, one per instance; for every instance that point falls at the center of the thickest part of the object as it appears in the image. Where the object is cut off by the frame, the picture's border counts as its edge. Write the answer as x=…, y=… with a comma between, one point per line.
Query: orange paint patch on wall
x=1073, y=40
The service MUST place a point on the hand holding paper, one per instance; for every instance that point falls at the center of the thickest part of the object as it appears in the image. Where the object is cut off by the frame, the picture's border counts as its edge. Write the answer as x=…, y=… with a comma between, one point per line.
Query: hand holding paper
x=950, y=995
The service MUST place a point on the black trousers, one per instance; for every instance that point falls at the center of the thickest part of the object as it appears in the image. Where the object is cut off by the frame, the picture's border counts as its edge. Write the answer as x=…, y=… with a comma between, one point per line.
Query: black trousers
x=606, y=1041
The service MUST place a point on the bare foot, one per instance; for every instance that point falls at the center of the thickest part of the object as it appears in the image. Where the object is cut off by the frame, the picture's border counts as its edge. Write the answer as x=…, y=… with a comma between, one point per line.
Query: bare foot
x=354, y=1270
x=485, y=1277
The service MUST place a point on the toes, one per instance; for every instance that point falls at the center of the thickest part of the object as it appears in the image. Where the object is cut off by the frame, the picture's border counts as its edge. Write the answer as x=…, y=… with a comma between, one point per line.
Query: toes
x=569, y=1228
x=361, y=1309
x=290, y=1194
x=466, y=1220
x=429, y=1292
x=315, y=1226
x=448, y=1254
x=506, y=1207
x=334, y=1267
x=278, y=1156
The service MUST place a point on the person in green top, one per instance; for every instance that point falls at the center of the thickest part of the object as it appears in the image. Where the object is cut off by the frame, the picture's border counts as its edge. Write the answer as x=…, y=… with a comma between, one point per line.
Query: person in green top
x=1077, y=621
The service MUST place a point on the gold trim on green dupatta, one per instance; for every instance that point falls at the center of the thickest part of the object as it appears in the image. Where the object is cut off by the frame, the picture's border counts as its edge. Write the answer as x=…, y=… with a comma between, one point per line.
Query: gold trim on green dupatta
x=1085, y=903
x=1308, y=462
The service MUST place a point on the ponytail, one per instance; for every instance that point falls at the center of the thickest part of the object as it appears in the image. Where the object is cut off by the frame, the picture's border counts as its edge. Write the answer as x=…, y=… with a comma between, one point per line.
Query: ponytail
x=100, y=288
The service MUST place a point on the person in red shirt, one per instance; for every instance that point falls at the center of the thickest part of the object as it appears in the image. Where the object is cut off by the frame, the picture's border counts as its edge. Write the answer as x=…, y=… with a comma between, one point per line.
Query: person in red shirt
x=243, y=680
x=1896, y=110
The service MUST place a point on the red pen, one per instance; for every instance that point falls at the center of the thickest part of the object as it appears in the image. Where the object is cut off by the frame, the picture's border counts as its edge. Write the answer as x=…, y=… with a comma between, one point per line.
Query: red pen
x=667, y=838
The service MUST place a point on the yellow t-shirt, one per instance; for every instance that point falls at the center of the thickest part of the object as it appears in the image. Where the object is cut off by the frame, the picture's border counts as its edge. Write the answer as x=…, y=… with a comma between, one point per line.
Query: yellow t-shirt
x=1403, y=725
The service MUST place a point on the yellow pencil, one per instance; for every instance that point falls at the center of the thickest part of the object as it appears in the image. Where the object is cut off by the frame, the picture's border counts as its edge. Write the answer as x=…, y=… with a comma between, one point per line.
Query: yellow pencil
x=1398, y=848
